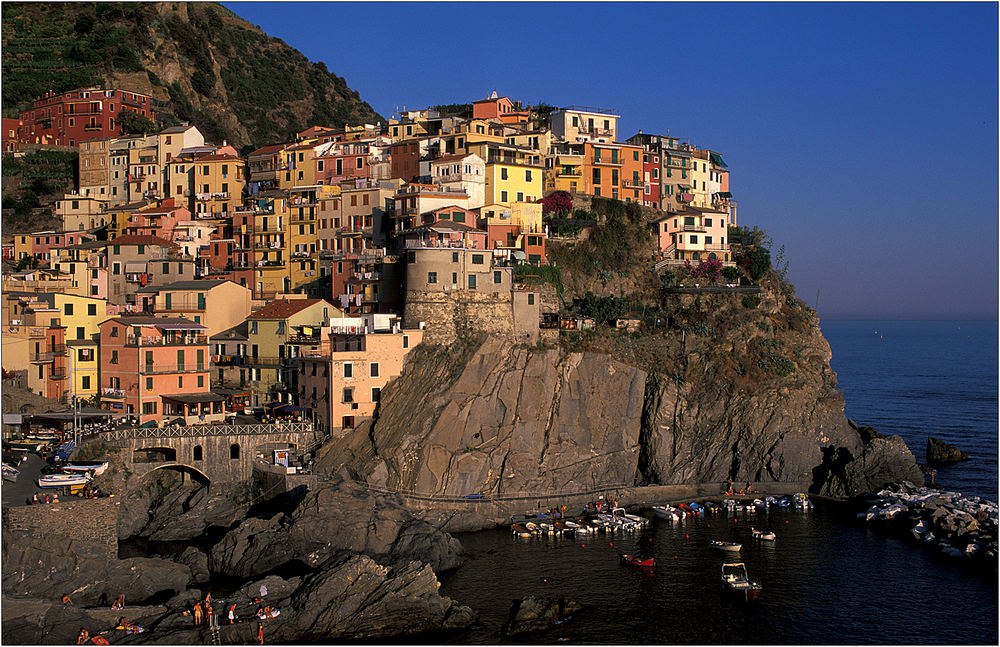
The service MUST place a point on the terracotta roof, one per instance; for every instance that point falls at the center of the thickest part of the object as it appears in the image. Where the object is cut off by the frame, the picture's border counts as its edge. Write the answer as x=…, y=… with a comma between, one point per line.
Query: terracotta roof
x=175, y=129
x=273, y=148
x=284, y=308
x=135, y=239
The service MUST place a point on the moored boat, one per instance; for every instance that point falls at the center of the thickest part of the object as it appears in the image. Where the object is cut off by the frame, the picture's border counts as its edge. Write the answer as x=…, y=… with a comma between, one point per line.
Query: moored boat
x=533, y=528
x=736, y=581
x=62, y=480
x=633, y=560
x=763, y=536
x=713, y=507
x=667, y=512
x=10, y=473
x=801, y=501
x=697, y=508
x=729, y=546
x=96, y=468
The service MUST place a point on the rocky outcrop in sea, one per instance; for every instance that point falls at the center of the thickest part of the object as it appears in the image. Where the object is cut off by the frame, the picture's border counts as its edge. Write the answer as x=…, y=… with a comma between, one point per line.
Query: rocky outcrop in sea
x=955, y=525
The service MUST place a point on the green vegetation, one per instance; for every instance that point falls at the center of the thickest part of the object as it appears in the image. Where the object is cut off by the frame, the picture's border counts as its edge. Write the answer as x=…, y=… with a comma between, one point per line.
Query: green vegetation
x=618, y=244
x=454, y=109
x=32, y=180
x=535, y=274
x=271, y=90
x=135, y=124
x=751, y=301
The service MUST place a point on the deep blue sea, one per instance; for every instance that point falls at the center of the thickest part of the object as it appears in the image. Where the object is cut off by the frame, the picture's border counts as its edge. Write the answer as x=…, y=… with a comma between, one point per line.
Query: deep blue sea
x=925, y=378
x=828, y=578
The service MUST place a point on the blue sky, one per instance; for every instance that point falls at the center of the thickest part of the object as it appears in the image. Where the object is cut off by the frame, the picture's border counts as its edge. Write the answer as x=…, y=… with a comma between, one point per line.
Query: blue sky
x=863, y=137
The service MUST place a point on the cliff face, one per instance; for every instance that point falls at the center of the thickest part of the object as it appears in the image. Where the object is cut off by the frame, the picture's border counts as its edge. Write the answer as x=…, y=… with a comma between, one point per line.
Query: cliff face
x=729, y=391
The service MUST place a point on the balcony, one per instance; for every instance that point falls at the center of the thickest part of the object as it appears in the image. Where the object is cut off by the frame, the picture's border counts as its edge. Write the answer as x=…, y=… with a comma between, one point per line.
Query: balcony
x=685, y=197
x=58, y=374
x=41, y=357
x=312, y=340
x=700, y=228
x=109, y=393
x=137, y=277
x=228, y=360
x=618, y=161
x=632, y=183
x=569, y=173
x=273, y=362
x=437, y=244
x=167, y=340
x=205, y=197
x=165, y=369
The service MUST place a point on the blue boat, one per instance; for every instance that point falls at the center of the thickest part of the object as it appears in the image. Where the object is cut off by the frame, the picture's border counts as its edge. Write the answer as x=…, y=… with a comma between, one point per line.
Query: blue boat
x=62, y=452
x=698, y=508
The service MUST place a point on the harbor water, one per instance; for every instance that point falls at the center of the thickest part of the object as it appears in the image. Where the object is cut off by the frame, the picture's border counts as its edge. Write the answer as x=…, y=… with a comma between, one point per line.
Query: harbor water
x=827, y=578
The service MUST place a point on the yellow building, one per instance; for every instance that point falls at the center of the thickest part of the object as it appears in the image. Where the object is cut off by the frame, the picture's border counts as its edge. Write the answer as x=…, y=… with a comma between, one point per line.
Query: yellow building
x=216, y=185
x=271, y=251
x=274, y=347
x=513, y=173
x=83, y=365
x=405, y=129
x=303, y=232
x=301, y=162
x=78, y=212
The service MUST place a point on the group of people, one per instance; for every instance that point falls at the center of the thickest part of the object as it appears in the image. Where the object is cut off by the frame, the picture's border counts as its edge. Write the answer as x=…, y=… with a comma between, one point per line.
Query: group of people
x=203, y=611
x=92, y=492
x=730, y=490
x=47, y=498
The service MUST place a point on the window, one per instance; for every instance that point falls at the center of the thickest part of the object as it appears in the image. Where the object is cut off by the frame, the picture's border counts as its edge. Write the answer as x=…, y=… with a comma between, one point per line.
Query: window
x=688, y=220
x=708, y=222
x=373, y=369
x=458, y=216
x=349, y=394
x=527, y=176
x=406, y=341
x=520, y=196
x=472, y=281
x=198, y=453
x=503, y=173
x=497, y=276
x=114, y=354
x=180, y=381
x=503, y=196
x=253, y=331
x=149, y=384
x=597, y=176
x=694, y=239
x=67, y=308
x=348, y=370
x=150, y=407
x=477, y=259
x=234, y=452
x=432, y=277
x=91, y=309
x=376, y=394
x=85, y=382
x=531, y=298
x=114, y=331
x=635, y=156
x=281, y=327
x=80, y=334
x=201, y=380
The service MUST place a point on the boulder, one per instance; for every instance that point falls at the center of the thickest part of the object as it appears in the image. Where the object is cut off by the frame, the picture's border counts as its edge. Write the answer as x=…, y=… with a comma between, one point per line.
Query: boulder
x=535, y=614
x=46, y=567
x=941, y=453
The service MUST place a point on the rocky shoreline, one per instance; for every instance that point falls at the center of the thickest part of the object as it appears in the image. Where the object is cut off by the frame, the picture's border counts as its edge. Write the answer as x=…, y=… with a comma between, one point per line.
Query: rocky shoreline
x=952, y=524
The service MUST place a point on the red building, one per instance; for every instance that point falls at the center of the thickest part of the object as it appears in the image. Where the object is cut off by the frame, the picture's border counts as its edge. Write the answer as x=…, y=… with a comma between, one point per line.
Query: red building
x=651, y=177
x=405, y=160
x=342, y=161
x=78, y=115
x=10, y=142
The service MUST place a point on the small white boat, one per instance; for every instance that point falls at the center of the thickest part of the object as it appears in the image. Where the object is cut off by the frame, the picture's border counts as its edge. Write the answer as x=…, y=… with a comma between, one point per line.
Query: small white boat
x=763, y=536
x=533, y=528
x=728, y=546
x=96, y=468
x=62, y=480
x=668, y=512
x=736, y=581
x=520, y=531
x=10, y=473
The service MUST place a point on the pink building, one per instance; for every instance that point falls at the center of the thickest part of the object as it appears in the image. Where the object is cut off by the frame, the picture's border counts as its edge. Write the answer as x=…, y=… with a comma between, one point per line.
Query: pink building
x=342, y=382
x=157, y=368
x=43, y=242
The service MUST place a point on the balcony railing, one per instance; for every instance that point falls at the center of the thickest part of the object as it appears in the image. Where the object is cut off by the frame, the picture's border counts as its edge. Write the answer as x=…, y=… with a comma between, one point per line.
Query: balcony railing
x=167, y=340
x=609, y=162
x=304, y=339
x=270, y=361
x=59, y=374
x=436, y=244
x=228, y=360
x=160, y=369
x=692, y=228
x=41, y=357
x=632, y=183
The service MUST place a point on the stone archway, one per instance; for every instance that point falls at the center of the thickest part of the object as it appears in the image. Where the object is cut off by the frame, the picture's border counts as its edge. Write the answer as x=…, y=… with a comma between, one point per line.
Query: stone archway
x=186, y=472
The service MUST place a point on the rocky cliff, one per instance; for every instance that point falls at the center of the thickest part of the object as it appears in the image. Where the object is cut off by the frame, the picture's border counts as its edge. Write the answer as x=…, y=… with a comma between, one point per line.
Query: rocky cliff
x=731, y=388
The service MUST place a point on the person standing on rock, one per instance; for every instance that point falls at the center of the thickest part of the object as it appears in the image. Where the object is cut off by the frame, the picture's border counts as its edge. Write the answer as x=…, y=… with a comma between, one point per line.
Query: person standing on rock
x=83, y=636
x=232, y=613
x=66, y=599
x=260, y=633
x=197, y=614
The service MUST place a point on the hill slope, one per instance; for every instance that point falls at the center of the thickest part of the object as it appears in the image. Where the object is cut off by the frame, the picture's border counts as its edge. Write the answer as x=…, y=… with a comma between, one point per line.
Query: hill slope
x=203, y=62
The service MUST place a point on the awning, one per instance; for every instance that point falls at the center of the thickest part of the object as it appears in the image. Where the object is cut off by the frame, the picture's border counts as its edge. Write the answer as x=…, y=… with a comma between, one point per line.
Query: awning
x=293, y=407
x=519, y=255
x=194, y=398
x=275, y=405
x=717, y=160
x=724, y=194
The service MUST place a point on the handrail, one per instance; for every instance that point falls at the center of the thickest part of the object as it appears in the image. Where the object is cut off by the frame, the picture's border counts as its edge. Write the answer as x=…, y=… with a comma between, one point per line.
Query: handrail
x=207, y=430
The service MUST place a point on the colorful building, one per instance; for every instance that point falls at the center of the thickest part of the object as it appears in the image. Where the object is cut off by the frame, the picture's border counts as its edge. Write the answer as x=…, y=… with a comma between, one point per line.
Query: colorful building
x=68, y=118
x=342, y=379
x=157, y=368
x=216, y=304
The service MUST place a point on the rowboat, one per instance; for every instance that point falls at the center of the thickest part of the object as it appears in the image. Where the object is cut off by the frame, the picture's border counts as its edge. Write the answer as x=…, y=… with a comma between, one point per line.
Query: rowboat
x=10, y=473
x=563, y=527
x=801, y=501
x=533, y=528
x=62, y=480
x=729, y=546
x=685, y=508
x=667, y=512
x=697, y=508
x=96, y=468
x=763, y=536
x=633, y=560
x=520, y=531
x=736, y=581
x=713, y=507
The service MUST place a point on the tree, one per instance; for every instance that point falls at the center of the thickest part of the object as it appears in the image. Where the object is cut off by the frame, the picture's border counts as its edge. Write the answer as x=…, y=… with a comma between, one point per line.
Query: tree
x=133, y=123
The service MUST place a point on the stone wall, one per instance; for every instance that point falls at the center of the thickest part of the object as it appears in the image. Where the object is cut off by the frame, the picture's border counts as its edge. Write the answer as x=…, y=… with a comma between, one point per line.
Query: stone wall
x=447, y=315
